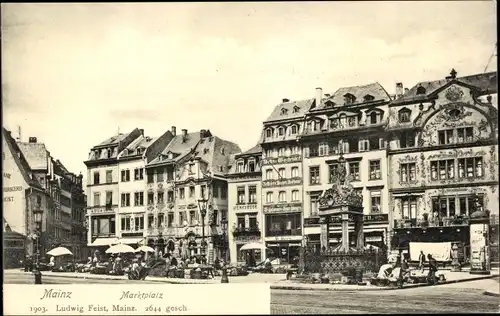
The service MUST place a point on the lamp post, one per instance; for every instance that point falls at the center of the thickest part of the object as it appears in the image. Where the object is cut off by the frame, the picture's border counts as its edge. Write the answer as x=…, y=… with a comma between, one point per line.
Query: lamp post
x=37, y=214
x=224, y=278
x=202, y=204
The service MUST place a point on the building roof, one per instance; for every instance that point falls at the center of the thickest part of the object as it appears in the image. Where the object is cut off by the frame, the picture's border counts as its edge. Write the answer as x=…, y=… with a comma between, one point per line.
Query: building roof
x=114, y=140
x=485, y=82
x=254, y=150
x=36, y=155
x=20, y=159
x=216, y=152
x=179, y=147
x=290, y=110
x=142, y=142
x=359, y=92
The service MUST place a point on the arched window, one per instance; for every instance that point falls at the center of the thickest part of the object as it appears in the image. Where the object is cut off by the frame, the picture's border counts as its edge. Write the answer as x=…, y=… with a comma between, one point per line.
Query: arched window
x=269, y=133
x=294, y=129
x=343, y=120
x=420, y=90
x=281, y=131
x=374, y=117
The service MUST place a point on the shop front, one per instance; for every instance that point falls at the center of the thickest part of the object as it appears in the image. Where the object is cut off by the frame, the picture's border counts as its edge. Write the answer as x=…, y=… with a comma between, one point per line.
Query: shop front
x=285, y=251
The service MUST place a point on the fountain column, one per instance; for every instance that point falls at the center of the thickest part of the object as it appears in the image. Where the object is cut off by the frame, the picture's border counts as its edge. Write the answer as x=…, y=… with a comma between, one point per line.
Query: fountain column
x=325, y=232
x=345, y=232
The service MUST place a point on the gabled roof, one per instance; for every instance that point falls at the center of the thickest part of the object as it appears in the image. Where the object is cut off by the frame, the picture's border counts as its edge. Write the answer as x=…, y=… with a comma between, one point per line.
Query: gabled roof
x=254, y=150
x=359, y=92
x=141, y=142
x=485, y=83
x=36, y=155
x=290, y=110
x=179, y=146
x=19, y=159
x=210, y=150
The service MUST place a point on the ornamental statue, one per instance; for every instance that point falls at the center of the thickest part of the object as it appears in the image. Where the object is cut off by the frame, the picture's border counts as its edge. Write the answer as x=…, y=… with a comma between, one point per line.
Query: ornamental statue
x=341, y=192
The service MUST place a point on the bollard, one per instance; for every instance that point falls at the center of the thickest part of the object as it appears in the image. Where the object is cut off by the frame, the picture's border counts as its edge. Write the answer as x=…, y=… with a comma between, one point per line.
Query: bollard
x=38, y=277
x=224, y=278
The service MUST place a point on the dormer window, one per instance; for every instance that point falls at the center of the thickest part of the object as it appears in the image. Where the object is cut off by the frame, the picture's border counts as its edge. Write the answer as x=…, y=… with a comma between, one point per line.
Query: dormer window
x=170, y=156
x=269, y=133
x=420, y=90
x=251, y=166
x=240, y=167
x=374, y=118
x=404, y=115
x=349, y=98
x=205, y=151
x=281, y=131
x=96, y=154
x=139, y=151
x=296, y=109
x=222, y=151
x=329, y=104
x=343, y=120
x=368, y=98
x=294, y=129
x=284, y=111
x=125, y=152
x=221, y=169
x=108, y=153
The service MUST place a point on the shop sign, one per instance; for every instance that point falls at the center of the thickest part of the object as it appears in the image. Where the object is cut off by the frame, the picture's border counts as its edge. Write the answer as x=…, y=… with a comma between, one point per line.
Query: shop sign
x=283, y=238
x=281, y=182
x=101, y=210
x=283, y=208
x=281, y=160
x=245, y=207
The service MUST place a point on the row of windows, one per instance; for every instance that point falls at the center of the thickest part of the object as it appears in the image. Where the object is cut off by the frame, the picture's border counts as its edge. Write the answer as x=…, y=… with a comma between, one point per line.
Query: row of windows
x=138, y=174
x=374, y=171
x=241, y=221
x=164, y=174
x=447, y=206
x=456, y=136
x=460, y=168
x=250, y=166
x=242, y=196
x=350, y=146
x=285, y=151
x=281, y=173
x=109, y=177
x=282, y=131
x=282, y=196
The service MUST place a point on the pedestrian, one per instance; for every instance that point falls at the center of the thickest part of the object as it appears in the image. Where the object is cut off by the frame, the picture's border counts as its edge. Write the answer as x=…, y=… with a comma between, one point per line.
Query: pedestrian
x=27, y=264
x=431, y=277
x=421, y=261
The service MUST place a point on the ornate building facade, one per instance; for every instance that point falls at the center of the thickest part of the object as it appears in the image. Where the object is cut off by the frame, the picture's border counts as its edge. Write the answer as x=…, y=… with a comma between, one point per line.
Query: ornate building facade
x=443, y=154
x=245, y=217
x=190, y=168
x=102, y=189
x=282, y=179
x=133, y=224
x=351, y=121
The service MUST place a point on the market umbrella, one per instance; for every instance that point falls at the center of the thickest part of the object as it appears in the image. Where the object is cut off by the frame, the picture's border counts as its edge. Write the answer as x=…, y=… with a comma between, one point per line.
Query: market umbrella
x=253, y=246
x=120, y=248
x=59, y=251
x=144, y=249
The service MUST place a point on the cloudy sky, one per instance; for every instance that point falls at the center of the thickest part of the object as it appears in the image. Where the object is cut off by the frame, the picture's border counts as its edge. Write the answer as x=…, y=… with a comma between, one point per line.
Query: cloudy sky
x=73, y=74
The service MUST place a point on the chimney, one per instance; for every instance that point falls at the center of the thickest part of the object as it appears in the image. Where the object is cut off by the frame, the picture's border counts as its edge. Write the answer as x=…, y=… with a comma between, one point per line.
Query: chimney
x=174, y=130
x=33, y=140
x=142, y=131
x=406, y=90
x=285, y=100
x=399, y=89
x=184, y=133
x=327, y=95
x=203, y=132
x=319, y=96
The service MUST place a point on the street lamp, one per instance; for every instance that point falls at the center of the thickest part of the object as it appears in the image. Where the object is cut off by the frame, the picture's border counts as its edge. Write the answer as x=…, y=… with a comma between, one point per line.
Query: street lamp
x=37, y=214
x=224, y=278
x=202, y=204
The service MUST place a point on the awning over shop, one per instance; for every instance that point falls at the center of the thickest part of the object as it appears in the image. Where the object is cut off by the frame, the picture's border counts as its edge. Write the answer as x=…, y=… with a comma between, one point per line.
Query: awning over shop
x=99, y=242
x=130, y=241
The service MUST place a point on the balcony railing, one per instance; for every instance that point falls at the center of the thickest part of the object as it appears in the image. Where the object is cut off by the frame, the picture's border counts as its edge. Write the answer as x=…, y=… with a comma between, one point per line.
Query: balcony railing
x=246, y=231
x=432, y=222
x=284, y=232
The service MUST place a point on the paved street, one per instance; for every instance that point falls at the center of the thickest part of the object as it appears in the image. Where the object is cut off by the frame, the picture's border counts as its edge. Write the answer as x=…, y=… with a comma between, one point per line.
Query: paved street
x=450, y=298
x=464, y=297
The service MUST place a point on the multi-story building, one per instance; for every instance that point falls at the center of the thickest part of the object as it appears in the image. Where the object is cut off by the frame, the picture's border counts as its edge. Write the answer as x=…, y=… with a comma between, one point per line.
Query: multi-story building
x=70, y=209
x=443, y=153
x=191, y=167
x=244, y=204
x=102, y=188
x=350, y=122
x=282, y=179
x=23, y=195
x=132, y=186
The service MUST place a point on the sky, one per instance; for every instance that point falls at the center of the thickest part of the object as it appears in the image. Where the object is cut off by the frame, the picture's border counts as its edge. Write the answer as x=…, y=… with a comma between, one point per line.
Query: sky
x=76, y=74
